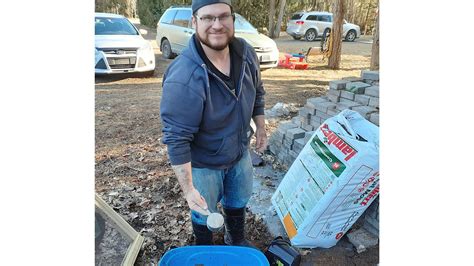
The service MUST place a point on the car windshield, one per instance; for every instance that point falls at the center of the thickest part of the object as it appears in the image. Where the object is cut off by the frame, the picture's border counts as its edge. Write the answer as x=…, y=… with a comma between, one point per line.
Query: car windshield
x=242, y=25
x=114, y=26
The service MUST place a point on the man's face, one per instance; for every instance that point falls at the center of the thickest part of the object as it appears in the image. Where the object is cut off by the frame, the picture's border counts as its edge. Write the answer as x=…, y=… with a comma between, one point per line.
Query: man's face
x=214, y=34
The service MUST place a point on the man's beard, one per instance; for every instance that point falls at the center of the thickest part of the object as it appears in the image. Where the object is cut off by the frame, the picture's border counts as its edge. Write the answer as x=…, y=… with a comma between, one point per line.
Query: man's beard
x=215, y=47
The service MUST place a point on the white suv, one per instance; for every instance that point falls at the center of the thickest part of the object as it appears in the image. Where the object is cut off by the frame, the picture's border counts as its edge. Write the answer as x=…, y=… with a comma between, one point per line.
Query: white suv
x=315, y=24
x=174, y=30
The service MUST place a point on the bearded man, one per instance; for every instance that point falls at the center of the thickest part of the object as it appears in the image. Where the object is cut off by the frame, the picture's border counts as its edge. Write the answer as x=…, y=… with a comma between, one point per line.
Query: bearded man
x=210, y=94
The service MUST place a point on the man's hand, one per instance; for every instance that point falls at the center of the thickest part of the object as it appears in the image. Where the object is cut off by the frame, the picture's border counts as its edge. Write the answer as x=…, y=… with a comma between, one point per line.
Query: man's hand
x=261, y=142
x=196, y=202
x=260, y=133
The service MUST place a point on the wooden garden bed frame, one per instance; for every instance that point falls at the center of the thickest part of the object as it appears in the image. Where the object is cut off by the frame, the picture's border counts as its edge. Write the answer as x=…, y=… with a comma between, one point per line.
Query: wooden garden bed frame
x=125, y=230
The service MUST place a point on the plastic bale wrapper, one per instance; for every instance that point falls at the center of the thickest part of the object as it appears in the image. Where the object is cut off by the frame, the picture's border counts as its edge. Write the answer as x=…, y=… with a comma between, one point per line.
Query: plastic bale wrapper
x=331, y=183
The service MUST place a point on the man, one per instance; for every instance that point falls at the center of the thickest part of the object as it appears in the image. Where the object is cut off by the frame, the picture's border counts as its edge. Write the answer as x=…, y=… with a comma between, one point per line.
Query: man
x=210, y=93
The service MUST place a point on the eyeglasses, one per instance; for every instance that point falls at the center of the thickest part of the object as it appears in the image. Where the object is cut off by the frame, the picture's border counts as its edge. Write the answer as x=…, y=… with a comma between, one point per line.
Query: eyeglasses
x=209, y=20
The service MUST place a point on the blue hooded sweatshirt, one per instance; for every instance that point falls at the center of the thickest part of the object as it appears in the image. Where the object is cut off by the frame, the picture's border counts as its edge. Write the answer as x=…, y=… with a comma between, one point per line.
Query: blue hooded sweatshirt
x=203, y=121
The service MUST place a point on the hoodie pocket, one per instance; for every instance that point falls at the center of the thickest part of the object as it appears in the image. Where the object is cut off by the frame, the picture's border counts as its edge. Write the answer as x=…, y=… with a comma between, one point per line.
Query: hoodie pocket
x=229, y=149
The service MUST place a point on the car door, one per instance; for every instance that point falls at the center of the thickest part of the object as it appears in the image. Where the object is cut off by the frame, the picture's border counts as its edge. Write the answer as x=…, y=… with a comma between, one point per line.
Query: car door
x=183, y=30
x=324, y=22
x=345, y=28
x=165, y=25
x=312, y=23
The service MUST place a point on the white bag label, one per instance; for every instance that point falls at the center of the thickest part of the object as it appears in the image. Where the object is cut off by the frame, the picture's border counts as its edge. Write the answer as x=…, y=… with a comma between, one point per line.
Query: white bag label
x=331, y=183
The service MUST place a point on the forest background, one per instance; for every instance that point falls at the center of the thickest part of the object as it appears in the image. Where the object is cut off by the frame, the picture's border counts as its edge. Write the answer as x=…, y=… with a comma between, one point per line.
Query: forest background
x=360, y=12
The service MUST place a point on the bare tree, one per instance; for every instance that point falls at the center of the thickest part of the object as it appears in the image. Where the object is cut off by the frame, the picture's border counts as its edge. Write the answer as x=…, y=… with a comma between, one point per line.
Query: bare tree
x=369, y=6
x=374, y=60
x=280, y=18
x=336, y=34
x=271, y=16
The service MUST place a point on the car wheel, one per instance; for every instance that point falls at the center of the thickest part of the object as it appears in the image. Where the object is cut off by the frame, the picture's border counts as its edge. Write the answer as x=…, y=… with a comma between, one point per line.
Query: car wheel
x=310, y=35
x=166, y=49
x=296, y=38
x=351, y=36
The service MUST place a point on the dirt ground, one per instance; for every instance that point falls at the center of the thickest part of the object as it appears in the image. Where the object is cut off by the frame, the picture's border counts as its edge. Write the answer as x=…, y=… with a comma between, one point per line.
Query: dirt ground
x=133, y=174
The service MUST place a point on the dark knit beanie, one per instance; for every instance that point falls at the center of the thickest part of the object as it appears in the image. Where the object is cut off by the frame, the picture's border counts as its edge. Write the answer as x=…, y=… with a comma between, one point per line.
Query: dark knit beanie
x=200, y=3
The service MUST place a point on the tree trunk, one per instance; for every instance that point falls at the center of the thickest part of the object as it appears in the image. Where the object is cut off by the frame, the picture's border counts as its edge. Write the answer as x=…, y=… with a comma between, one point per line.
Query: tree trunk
x=367, y=17
x=336, y=34
x=329, y=3
x=350, y=11
x=359, y=14
x=271, y=16
x=374, y=60
x=280, y=18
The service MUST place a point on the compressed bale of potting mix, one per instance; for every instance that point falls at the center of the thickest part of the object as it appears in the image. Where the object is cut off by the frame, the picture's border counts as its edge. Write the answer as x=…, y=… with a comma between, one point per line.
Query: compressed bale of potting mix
x=331, y=183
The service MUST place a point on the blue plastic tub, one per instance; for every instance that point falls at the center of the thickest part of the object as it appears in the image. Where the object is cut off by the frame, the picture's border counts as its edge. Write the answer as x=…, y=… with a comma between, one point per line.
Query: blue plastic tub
x=213, y=256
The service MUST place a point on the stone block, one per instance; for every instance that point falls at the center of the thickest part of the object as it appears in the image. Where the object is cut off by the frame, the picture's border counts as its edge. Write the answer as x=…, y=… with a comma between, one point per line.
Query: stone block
x=374, y=101
x=296, y=120
x=294, y=133
x=308, y=136
x=343, y=100
x=274, y=147
x=357, y=87
x=305, y=111
x=275, y=141
x=338, y=84
x=347, y=95
x=333, y=98
x=287, y=125
x=293, y=155
x=315, y=121
x=299, y=143
x=317, y=100
x=362, y=99
x=371, y=222
x=352, y=79
x=322, y=115
x=305, y=123
x=374, y=118
x=310, y=108
x=277, y=136
x=362, y=239
x=364, y=111
x=325, y=106
x=313, y=102
x=334, y=92
x=332, y=112
x=289, y=160
x=296, y=149
x=371, y=229
x=372, y=91
x=308, y=127
x=370, y=75
x=346, y=105
x=287, y=145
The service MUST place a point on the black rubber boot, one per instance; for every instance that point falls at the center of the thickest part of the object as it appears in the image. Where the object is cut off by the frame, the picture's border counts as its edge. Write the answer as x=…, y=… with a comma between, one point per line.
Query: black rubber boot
x=202, y=234
x=234, y=220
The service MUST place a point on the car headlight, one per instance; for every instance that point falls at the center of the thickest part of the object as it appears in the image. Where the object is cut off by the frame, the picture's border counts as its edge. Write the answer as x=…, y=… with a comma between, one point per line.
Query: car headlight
x=145, y=49
x=146, y=52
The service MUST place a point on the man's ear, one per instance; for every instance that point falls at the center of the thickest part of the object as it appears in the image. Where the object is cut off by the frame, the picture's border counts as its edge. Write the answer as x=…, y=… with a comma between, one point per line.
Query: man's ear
x=193, y=22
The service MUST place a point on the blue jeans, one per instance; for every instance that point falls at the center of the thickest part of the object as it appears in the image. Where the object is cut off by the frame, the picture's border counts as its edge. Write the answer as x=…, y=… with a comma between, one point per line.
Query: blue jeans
x=232, y=186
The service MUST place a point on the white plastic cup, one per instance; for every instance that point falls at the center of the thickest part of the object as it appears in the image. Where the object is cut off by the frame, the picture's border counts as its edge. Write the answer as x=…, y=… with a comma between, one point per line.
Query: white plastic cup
x=215, y=222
